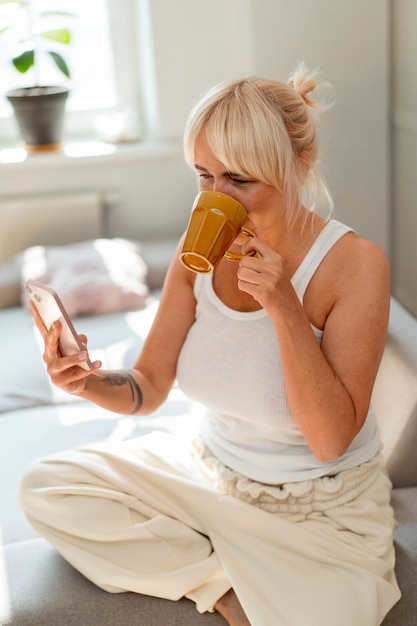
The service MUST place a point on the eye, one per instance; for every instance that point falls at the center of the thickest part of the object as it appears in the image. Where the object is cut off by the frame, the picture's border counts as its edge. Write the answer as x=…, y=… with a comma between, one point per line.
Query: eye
x=237, y=180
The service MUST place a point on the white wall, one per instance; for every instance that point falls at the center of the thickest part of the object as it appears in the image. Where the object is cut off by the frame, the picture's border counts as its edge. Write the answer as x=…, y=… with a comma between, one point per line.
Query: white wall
x=349, y=42
x=197, y=44
x=404, y=133
x=154, y=186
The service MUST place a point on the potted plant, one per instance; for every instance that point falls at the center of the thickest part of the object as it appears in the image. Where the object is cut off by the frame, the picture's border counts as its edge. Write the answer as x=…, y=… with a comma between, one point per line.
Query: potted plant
x=38, y=36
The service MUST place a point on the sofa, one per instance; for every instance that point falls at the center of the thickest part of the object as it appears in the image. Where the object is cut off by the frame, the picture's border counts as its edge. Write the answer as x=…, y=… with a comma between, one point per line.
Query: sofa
x=39, y=588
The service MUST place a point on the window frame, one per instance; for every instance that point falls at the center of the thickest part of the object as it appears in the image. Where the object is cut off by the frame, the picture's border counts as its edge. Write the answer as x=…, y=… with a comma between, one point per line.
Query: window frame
x=124, y=36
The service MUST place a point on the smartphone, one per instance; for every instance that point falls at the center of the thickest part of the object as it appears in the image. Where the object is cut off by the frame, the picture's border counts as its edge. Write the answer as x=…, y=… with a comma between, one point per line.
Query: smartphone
x=50, y=308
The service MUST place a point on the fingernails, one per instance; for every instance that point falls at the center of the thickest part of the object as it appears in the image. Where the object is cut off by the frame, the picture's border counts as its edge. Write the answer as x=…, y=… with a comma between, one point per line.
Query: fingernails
x=83, y=356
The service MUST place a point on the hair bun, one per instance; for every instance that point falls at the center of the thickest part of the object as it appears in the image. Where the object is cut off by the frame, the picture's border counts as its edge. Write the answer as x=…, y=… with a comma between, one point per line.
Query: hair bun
x=304, y=83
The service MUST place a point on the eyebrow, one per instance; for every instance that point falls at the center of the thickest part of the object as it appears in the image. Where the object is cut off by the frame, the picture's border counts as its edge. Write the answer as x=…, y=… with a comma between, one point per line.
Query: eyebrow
x=204, y=169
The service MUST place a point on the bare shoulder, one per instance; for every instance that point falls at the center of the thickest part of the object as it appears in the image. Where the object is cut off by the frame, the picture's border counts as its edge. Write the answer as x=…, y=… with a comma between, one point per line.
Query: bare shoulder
x=360, y=263
x=354, y=276
x=360, y=277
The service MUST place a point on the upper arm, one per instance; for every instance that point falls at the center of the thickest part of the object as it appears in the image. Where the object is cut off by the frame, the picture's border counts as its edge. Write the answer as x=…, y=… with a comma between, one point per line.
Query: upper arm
x=176, y=313
x=356, y=326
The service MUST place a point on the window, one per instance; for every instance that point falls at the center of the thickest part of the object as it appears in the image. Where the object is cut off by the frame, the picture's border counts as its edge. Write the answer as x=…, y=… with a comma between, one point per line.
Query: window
x=102, y=57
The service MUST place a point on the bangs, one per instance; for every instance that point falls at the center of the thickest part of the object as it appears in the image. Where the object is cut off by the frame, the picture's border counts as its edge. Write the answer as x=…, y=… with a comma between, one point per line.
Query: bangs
x=258, y=128
x=244, y=133
x=242, y=150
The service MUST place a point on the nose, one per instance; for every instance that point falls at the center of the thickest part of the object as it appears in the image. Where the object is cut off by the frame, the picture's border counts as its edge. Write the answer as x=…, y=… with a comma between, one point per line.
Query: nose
x=220, y=186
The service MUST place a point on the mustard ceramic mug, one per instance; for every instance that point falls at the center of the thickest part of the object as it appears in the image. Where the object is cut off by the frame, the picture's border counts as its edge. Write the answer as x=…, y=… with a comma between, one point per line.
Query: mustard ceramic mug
x=215, y=222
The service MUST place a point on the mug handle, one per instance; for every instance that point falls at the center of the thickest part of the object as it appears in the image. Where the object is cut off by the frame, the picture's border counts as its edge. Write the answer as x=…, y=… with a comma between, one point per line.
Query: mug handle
x=233, y=256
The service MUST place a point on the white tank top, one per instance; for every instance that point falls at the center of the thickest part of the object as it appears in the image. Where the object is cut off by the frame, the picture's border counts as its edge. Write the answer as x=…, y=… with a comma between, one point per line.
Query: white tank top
x=230, y=363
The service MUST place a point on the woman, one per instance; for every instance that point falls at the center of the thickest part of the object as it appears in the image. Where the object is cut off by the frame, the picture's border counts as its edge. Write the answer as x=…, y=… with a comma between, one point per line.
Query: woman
x=279, y=513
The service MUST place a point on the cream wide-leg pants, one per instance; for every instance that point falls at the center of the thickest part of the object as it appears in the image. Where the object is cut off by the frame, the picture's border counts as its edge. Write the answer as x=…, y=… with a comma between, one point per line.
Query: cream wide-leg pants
x=149, y=516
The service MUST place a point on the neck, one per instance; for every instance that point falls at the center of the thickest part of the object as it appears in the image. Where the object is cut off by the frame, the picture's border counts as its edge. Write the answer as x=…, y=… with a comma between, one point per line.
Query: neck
x=282, y=234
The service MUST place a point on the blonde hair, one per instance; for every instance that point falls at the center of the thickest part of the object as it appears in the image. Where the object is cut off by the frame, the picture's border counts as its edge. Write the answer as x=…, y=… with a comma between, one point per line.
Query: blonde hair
x=265, y=130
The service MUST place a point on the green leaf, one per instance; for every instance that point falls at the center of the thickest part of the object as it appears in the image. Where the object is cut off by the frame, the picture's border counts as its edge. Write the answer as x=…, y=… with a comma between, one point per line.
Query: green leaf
x=59, y=34
x=11, y=2
x=24, y=61
x=60, y=63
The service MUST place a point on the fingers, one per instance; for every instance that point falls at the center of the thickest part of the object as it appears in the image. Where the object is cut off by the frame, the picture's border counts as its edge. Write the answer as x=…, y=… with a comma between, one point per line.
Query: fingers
x=70, y=366
x=258, y=245
x=263, y=276
x=249, y=275
x=266, y=261
x=66, y=372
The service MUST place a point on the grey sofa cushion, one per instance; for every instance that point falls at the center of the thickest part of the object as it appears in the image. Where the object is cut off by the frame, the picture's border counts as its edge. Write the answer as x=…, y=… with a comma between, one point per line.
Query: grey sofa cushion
x=405, y=506
x=9, y=284
x=44, y=590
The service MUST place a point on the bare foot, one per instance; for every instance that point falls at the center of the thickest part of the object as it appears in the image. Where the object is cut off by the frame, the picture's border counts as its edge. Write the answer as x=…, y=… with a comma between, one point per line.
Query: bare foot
x=231, y=609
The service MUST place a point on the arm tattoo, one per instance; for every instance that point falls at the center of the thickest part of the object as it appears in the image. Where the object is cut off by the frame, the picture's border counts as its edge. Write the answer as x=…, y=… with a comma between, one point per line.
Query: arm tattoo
x=118, y=379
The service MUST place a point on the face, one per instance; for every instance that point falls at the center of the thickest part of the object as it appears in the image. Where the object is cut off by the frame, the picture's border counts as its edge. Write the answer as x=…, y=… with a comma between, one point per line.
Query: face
x=263, y=203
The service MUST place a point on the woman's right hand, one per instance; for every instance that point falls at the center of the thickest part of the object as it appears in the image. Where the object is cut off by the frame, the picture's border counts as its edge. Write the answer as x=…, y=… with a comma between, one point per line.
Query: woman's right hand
x=141, y=389
x=64, y=372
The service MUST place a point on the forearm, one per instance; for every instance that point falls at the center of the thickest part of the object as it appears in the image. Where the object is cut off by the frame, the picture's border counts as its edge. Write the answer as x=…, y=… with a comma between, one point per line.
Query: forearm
x=123, y=391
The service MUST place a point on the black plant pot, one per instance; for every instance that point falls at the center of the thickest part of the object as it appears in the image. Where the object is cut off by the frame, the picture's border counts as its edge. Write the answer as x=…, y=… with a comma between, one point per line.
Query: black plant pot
x=40, y=114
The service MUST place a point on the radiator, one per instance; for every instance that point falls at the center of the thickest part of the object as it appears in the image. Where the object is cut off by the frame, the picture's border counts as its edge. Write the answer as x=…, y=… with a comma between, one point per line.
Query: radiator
x=50, y=220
